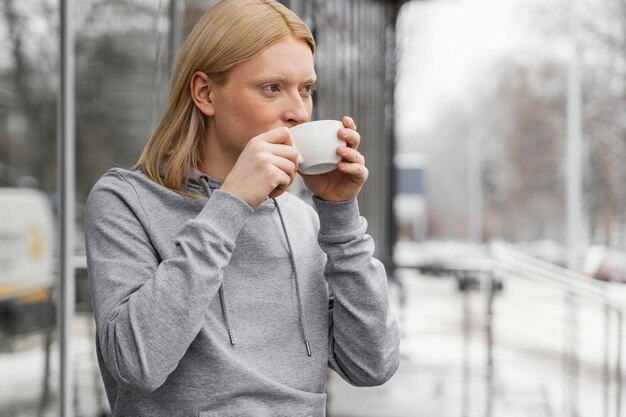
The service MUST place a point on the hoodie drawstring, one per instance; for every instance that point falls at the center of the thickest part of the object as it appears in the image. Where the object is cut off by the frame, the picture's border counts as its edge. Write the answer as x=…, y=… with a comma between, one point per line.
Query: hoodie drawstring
x=222, y=291
x=225, y=313
x=303, y=325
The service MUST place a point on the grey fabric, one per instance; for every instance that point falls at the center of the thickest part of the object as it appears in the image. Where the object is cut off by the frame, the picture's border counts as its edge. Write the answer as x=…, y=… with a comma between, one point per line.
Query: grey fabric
x=157, y=260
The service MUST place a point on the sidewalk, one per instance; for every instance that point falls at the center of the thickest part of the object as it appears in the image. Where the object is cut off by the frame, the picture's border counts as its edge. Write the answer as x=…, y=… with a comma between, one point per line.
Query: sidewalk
x=445, y=371
x=22, y=373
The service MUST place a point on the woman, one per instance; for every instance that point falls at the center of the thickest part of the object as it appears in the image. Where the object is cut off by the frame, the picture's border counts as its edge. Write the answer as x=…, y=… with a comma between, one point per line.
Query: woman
x=210, y=283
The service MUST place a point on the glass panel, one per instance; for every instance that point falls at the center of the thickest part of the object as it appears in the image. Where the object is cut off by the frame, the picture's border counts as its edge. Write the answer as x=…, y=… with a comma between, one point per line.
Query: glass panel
x=28, y=191
x=122, y=63
x=122, y=72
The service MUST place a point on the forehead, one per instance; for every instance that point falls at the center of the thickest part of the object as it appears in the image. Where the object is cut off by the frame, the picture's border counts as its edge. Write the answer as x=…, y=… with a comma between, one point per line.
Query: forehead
x=286, y=58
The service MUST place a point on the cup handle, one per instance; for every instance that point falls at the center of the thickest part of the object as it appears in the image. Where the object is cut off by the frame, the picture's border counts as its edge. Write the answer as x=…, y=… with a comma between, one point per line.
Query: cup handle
x=300, y=160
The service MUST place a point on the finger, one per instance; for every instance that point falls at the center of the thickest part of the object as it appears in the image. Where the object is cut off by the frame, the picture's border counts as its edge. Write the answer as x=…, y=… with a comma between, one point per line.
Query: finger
x=277, y=135
x=351, y=137
x=281, y=180
x=350, y=155
x=277, y=191
x=284, y=151
x=358, y=172
x=286, y=165
x=348, y=122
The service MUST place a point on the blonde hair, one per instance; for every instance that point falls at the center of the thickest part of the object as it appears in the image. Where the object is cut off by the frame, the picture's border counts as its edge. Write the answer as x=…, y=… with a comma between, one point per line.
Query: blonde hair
x=229, y=33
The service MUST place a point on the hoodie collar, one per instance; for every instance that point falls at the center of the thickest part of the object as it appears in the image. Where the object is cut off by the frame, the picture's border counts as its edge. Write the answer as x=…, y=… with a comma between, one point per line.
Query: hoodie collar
x=199, y=182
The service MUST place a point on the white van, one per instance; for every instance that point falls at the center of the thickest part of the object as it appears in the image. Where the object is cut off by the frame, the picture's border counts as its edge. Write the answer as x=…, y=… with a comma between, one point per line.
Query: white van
x=26, y=243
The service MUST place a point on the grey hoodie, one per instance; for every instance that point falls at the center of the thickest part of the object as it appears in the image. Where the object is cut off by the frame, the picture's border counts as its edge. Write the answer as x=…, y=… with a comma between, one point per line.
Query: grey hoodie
x=208, y=307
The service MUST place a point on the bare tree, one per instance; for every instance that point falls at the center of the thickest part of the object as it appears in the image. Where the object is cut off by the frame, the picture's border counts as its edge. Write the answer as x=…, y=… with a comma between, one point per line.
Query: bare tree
x=28, y=85
x=599, y=29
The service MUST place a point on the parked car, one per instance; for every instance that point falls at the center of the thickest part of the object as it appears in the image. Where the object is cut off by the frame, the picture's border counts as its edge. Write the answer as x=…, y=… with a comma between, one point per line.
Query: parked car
x=547, y=250
x=605, y=263
x=469, y=263
x=26, y=262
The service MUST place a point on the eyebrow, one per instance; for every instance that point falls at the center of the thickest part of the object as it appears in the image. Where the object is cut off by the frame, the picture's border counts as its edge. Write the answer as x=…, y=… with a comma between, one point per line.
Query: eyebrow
x=283, y=79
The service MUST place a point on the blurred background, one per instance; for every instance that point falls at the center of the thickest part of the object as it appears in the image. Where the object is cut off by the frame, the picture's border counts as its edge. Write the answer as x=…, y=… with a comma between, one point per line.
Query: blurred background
x=493, y=131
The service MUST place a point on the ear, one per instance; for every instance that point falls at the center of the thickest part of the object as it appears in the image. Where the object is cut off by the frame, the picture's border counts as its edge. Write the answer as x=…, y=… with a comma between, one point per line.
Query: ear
x=201, y=88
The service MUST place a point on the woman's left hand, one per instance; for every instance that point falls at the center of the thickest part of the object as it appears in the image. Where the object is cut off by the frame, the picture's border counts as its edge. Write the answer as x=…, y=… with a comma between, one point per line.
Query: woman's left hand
x=345, y=182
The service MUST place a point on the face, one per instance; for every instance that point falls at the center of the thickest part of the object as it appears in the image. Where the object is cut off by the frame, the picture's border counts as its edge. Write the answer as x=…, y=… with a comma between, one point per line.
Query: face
x=269, y=90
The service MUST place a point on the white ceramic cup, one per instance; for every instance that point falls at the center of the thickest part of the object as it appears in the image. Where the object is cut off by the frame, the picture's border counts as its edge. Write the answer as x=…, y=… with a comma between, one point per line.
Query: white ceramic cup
x=317, y=143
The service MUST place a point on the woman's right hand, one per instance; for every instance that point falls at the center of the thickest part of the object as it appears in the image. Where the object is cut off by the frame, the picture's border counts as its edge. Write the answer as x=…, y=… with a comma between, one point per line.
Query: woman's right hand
x=266, y=167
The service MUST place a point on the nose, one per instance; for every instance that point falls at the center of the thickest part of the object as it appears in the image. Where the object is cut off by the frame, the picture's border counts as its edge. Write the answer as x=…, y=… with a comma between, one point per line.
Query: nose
x=297, y=111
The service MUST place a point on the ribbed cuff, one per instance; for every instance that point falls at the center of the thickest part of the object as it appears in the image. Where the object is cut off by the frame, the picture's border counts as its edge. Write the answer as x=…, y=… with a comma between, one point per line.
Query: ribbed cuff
x=339, y=217
x=226, y=212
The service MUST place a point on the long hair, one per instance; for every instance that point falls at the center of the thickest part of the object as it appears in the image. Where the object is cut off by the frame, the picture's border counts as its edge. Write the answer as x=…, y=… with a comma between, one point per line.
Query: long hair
x=229, y=33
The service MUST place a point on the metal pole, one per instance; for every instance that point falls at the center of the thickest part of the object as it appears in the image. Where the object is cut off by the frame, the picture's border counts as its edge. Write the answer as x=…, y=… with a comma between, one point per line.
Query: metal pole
x=574, y=151
x=574, y=202
x=469, y=182
x=474, y=184
x=391, y=14
x=175, y=34
x=606, y=370
x=465, y=376
x=491, y=282
x=618, y=365
x=65, y=306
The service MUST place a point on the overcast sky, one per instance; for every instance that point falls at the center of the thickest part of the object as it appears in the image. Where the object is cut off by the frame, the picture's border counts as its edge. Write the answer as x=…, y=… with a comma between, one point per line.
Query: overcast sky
x=446, y=44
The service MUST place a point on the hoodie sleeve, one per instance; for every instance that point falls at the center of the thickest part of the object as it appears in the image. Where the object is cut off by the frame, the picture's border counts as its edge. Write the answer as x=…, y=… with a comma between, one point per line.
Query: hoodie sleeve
x=364, y=337
x=148, y=310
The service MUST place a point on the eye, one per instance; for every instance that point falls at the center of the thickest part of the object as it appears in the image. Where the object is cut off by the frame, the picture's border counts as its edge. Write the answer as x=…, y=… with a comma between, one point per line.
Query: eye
x=308, y=89
x=271, y=88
